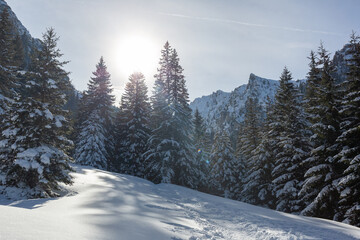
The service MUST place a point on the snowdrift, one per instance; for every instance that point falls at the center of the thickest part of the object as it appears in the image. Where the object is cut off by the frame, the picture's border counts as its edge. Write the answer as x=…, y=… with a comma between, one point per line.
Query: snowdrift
x=105, y=205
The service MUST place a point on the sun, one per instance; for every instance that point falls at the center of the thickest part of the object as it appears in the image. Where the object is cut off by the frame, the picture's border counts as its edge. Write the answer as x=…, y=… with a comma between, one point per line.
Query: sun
x=137, y=53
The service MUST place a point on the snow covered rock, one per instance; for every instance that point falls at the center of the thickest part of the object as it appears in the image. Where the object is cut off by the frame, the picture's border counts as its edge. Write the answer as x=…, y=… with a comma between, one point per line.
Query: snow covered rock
x=222, y=108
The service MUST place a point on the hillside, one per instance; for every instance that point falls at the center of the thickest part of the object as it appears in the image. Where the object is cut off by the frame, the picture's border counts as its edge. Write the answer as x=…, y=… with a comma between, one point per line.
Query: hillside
x=104, y=205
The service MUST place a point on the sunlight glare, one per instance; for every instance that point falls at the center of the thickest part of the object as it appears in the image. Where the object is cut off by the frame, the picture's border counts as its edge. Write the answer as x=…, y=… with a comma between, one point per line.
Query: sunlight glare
x=137, y=53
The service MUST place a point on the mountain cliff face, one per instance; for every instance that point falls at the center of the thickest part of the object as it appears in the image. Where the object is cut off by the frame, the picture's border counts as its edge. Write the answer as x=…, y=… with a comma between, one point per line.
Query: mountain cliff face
x=29, y=42
x=221, y=109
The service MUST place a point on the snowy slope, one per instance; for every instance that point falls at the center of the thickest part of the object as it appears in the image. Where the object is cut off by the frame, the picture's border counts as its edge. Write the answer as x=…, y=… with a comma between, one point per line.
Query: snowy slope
x=105, y=205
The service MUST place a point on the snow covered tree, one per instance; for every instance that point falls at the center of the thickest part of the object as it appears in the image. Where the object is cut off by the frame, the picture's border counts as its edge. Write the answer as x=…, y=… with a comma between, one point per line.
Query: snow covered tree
x=94, y=145
x=222, y=163
x=248, y=140
x=258, y=183
x=292, y=146
x=135, y=110
x=171, y=154
x=349, y=185
x=37, y=134
x=319, y=191
x=202, y=145
x=159, y=163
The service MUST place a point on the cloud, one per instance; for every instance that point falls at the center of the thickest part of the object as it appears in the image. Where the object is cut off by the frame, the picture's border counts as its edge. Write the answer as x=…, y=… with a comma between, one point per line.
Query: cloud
x=293, y=29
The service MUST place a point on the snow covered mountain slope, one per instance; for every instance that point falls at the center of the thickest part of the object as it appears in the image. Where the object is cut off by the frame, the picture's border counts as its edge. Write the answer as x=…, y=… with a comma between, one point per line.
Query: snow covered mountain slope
x=221, y=108
x=104, y=205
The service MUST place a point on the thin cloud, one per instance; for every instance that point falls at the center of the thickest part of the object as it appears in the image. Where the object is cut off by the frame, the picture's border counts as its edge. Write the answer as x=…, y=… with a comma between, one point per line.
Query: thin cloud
x=248, y=24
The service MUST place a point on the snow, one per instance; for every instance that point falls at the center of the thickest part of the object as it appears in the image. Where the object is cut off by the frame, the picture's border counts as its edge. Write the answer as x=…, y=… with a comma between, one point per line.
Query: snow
x=221, y=105
x=52, y=83
x=48, y=114
x=103, y=205
x=58, y=120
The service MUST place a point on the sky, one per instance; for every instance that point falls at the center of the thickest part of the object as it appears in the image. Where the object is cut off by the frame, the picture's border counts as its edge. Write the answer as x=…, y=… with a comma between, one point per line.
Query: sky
x=219, y=42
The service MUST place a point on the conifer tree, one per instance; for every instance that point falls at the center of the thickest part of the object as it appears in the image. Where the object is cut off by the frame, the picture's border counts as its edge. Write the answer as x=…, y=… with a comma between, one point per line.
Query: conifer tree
x=37, y=134
x=94, y=145
x=291, y=147
x=349, y=185
x=258, y=184
x=135, y=110
x=248, y=140
x=318, y=191
x=171, y=153
x=223, y=175
x=159, y=165
x=201, y=143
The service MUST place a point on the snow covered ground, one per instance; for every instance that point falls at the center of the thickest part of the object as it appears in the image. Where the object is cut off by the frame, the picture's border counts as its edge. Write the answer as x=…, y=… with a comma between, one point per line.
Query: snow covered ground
x=103, y=205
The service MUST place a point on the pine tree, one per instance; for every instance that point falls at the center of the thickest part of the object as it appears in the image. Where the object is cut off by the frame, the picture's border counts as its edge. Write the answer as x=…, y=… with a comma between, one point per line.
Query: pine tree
x=258, y=187
x=223, y=174
x=201, y=143
x=187, y=171
x=349, y=185
x=171, y=155
x=94, y=146
x=159, y=164
x=248, y=140
x=8, y=95
x=292, y=146
x=39, y=160
x=318, y=191
x=135, y=110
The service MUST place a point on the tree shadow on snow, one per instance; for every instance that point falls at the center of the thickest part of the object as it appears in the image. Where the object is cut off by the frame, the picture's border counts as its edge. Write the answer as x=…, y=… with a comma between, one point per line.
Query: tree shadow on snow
x=126, y=207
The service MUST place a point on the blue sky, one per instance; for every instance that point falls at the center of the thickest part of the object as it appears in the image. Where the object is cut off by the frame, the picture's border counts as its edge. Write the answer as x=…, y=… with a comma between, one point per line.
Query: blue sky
x=219, y=42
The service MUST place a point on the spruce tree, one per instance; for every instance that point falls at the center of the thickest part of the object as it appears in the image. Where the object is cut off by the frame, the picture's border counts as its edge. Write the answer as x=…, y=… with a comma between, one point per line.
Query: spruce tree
x=135, y=110
x=171, y=154
x=319, y=191
x=201, y=143
x=349, y=185
x=37, y=134
x=94, y=145
x=258, y=184
x=222, y=164
x=292, y=146
x=159, y=165
x=8, y=92
x=248, y=140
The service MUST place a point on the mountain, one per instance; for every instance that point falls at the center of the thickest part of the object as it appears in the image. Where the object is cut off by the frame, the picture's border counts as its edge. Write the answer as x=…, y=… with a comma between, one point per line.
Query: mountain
x=29, y=42
x=221, y=108
x=105, y=205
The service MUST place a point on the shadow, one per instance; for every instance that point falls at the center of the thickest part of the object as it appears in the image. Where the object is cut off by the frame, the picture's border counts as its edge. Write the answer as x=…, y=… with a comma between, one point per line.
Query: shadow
x=127, y=208
x=27, y=204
